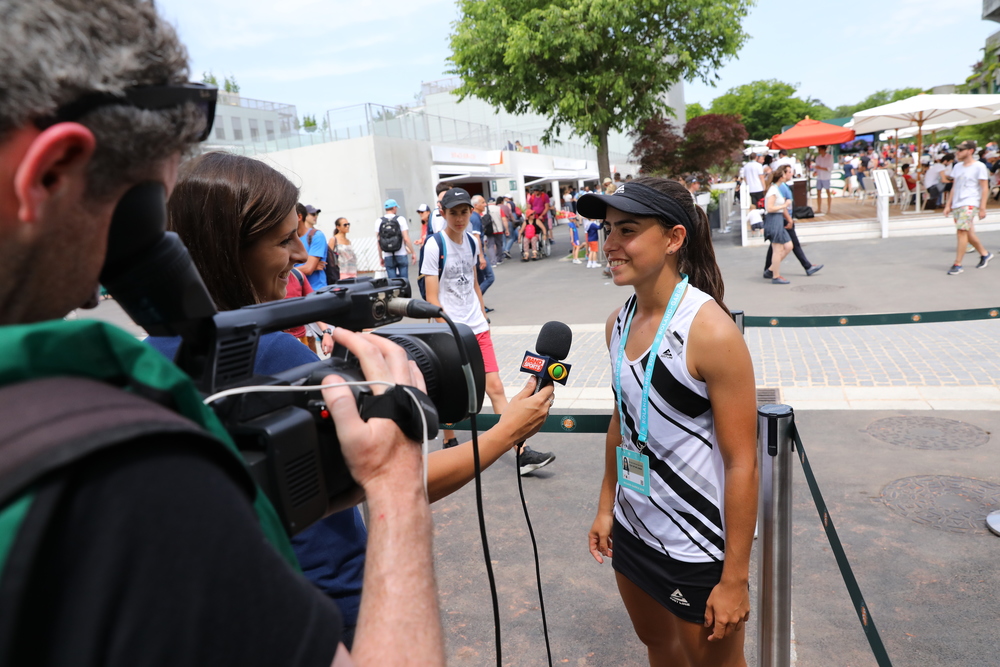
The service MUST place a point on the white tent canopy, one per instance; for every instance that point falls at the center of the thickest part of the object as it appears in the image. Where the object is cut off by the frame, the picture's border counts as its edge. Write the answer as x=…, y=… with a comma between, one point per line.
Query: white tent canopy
x=921, y=110
x=911, y=132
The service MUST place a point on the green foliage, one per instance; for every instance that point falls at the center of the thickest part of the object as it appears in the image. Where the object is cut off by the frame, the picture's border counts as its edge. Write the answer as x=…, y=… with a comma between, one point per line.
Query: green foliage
x=694, y=110
x=876, y=99
x=767, y=106
x=230, y=85
x=210, y=79
x=309, y=123
x=594, y=65
x=714, y=204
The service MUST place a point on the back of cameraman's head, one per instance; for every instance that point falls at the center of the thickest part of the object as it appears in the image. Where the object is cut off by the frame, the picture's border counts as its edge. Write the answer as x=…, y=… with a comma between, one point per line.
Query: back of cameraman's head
x=222, y=204
x=54, y=52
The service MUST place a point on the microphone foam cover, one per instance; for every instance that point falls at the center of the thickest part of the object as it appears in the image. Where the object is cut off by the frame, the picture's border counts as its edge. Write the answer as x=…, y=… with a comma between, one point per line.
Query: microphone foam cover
x=554, y=340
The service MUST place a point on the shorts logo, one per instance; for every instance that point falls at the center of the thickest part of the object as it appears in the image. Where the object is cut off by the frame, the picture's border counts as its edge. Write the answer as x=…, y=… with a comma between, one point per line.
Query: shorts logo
x=532, y=364
x=678, y=598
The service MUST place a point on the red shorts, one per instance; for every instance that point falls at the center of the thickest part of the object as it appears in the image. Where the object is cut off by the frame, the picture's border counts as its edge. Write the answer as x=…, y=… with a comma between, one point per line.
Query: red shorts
x=489, y=355
x=592, y=245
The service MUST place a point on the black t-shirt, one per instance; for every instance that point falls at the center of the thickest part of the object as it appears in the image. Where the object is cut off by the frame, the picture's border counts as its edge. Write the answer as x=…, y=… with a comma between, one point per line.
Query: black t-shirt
x=154, y=556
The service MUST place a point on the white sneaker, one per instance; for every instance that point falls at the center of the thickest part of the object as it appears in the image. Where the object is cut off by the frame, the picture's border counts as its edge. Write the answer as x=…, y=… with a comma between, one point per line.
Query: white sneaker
x=577, y=261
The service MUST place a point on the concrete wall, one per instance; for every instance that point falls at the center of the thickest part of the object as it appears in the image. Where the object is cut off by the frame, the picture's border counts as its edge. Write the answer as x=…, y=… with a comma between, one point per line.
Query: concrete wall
x=340, y=178
x=403, y=169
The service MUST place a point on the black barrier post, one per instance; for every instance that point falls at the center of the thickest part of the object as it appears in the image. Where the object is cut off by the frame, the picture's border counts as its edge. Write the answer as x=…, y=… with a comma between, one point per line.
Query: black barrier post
x=739, y=316
x=774, y=580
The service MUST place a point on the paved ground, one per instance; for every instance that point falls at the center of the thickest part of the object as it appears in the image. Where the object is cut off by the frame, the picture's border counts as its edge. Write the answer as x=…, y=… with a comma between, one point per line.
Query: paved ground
x=908, y=495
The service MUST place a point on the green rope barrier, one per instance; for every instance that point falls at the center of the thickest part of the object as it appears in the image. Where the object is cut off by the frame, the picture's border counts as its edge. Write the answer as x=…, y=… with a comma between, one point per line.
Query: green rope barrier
x=872, y=320
x=567, y=423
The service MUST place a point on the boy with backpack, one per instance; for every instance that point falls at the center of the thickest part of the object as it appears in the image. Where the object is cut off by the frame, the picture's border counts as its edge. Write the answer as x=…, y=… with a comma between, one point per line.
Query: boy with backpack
x=449, y=274
x=315, y=243
x=394, y=242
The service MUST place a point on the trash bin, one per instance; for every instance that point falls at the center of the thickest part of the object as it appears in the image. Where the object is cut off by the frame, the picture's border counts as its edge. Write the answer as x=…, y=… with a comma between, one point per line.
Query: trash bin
x=800, y=192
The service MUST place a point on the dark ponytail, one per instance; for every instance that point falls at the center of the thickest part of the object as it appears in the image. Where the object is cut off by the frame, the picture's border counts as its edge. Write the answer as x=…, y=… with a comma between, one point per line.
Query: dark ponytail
x=697, y=256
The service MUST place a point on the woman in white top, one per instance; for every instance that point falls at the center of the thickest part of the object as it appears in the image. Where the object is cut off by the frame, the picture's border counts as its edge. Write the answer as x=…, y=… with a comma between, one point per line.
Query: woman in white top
x=775, y=206
x=679, y=499
x=343, y=251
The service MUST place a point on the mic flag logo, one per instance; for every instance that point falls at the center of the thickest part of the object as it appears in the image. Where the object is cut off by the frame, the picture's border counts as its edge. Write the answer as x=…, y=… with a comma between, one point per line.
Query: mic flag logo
x=532, y=364
x=558, y=372
x=542, y=366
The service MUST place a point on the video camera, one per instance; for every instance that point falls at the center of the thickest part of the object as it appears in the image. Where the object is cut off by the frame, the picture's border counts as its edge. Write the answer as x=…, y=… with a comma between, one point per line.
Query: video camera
x=287, y=439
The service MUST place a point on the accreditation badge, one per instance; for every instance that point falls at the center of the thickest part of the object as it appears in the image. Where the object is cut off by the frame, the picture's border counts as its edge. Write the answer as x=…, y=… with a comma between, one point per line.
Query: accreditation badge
x=633, y=470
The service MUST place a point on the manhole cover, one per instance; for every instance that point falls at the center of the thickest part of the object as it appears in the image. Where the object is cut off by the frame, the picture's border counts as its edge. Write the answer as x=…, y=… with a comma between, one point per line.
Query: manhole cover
x=828, y=309
x=953, y=504
x=817, y=289
x=928, y=433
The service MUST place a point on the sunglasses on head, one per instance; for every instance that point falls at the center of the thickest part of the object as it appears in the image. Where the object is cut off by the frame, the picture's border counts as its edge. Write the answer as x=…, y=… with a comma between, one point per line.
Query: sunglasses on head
x=150, y=98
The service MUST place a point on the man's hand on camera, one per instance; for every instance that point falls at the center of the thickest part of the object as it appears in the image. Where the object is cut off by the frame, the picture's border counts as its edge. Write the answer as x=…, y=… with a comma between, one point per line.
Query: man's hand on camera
x=526, y=412
x=377, y=448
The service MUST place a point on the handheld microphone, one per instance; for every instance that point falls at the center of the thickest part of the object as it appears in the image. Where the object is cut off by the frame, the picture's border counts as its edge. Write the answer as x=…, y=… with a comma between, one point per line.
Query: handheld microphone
x=552, y=346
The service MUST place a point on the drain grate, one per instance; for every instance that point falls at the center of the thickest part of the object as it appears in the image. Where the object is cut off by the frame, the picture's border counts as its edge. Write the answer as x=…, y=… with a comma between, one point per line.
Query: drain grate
x=768, y=396
x=817, y=289
x=928, y=433
x=829, y=309
x=952, y=504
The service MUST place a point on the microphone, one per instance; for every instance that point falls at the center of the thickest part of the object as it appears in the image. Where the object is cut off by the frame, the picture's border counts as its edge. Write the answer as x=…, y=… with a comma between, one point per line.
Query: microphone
x=413, y=308
x=552, y=346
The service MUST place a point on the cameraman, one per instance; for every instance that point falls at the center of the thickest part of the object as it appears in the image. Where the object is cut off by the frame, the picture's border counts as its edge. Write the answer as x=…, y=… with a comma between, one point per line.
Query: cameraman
x=151, y=553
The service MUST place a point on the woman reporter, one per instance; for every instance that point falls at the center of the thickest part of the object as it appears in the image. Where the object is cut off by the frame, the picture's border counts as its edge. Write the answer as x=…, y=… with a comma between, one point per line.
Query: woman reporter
x=237, y=217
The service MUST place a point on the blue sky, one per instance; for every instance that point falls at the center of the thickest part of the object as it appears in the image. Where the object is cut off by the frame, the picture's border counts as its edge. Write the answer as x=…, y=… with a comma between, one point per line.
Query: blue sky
x=326, y=54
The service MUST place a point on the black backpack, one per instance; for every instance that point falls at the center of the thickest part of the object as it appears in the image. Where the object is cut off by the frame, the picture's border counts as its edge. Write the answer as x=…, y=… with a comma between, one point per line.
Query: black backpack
x=332, y=270
x=489, y=225
x=390, y=236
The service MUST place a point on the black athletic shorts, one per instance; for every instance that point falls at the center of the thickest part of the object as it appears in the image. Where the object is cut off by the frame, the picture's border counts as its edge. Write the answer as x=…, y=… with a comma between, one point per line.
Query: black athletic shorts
x=683, y=588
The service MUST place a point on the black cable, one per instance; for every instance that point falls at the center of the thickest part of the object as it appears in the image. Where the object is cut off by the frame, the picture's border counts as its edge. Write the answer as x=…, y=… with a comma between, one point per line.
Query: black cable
x=467, y=369
x=534, y=547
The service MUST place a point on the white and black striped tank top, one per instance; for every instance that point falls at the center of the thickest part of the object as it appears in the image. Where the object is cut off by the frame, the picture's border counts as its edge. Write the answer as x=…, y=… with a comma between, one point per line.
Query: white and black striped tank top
x=683, y=517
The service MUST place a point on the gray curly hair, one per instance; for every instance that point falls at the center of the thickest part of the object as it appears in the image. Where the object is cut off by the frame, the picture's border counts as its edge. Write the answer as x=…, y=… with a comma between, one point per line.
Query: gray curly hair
x=53, y=52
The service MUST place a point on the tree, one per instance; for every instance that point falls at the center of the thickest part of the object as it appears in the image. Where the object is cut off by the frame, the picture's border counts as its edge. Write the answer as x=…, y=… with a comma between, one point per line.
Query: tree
x=594, y=65
x=712, y=141
x=231, y=86
x=767, y=106
x=658, y=147
x=876, y=99
x=309, y=123
x=694, y=110
x=209, y=78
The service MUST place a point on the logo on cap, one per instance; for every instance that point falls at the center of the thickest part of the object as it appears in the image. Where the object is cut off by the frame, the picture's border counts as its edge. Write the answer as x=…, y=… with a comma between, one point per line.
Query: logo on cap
x=620, y=189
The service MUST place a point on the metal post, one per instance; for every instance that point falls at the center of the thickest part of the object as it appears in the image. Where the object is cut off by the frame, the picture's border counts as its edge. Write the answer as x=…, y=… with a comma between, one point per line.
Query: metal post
x=774, y=581
x=738, y=316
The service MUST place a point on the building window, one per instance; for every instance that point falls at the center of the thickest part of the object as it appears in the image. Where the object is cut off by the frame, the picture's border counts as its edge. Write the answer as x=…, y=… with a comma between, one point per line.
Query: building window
x=237, y=129
x=269, y=128
x=286, y=127
x=254, y=130
x=220, y=131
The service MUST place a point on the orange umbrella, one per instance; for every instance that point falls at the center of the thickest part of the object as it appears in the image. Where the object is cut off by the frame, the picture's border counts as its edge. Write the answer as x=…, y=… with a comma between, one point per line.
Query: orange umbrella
x=811, y=132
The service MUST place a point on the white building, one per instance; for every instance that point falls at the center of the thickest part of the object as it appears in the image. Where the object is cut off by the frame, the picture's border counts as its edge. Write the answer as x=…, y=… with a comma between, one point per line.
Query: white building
x=368, y=153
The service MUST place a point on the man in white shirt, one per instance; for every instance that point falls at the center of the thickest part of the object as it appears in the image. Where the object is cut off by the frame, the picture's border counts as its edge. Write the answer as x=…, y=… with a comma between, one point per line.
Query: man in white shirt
x=967, y=201
x=932, y=180
x=394, y=240
x=753, y=178
x=823, y=170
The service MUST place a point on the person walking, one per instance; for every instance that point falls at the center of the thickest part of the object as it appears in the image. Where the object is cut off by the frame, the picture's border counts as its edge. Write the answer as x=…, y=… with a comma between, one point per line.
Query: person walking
x=678, y=502
x=967, y=201
x=775, y=206
x=753, y=178
x=786, y=192
x=394, y=242
x=449, y=271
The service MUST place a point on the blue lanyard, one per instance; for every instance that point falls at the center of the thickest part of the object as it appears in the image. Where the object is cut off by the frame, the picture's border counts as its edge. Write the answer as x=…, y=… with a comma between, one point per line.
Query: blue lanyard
x=675, y=300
